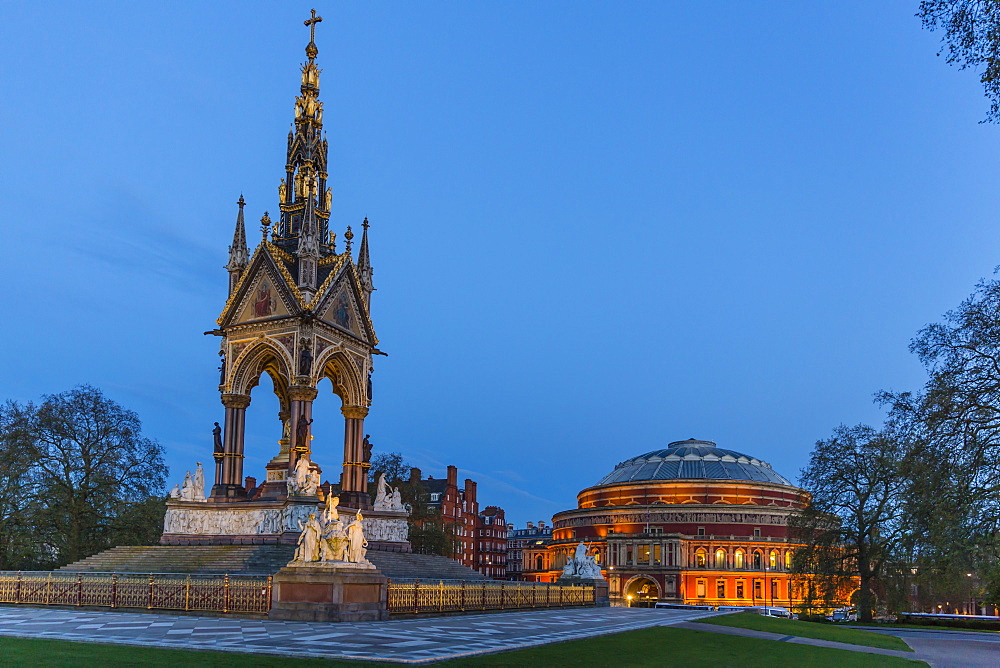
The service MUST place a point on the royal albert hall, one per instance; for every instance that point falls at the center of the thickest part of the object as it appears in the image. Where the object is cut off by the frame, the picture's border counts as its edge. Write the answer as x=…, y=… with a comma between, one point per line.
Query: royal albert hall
x=691, y=523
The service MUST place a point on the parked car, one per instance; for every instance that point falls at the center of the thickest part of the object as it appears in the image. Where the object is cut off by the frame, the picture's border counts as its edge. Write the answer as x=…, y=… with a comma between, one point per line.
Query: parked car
x=844, y=615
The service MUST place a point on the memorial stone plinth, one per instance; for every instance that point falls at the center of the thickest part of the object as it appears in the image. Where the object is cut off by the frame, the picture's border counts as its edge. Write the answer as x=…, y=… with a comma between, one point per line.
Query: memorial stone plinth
x=321, y=592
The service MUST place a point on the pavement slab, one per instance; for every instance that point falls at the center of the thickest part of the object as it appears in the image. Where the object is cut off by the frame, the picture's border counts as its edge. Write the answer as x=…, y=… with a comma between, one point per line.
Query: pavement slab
x=413, y=641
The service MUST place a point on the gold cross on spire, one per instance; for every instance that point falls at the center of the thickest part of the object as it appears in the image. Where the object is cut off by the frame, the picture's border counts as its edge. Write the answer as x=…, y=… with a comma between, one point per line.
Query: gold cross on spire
x=311, y=22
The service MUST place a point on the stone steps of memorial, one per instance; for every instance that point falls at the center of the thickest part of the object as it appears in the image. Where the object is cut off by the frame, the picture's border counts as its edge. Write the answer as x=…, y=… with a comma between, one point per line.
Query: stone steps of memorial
x=256, y=560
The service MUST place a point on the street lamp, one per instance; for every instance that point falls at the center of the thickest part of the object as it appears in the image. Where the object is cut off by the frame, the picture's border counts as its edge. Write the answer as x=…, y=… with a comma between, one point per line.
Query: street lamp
x=767, y=592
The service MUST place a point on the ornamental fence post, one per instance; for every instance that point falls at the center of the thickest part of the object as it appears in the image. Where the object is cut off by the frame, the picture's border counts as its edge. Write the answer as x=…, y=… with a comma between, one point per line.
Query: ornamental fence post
x=462, y=599
x=149, y=602
x=48, y=589
x=114, y=590
x=225, y=599
x=503, y=591
x=79, y=590
x=187, y=593
x=17, y=597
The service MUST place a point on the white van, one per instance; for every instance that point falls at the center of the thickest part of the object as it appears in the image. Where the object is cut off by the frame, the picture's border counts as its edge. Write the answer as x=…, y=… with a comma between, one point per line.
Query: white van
x=776, y=612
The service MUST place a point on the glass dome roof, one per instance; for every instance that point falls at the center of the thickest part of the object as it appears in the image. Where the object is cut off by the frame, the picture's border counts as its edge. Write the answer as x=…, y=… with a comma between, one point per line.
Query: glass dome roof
x=693, y=460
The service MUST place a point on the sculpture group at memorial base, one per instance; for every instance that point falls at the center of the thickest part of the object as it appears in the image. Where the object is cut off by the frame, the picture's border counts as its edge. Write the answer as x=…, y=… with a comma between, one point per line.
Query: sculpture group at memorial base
x=327, y=542
x=581, y=566
x=303, y=481
x=387, y=497
x=193, y=487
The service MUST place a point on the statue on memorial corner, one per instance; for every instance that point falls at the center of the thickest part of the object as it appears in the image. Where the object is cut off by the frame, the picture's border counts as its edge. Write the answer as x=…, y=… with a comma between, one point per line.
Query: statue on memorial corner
x=187, y=487
x=198, y=483
x=367, y=446
x=305, y=360
x=175, y=493
x=222, y=368
x=356, y=541
x=383, y=493
x=396, y=500
x=217, y=441
x=308, y=543
x=302, y=432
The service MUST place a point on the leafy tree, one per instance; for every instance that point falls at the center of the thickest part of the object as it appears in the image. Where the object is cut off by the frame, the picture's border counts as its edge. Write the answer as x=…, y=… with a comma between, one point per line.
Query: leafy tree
x=972, y=39
x=853, y=522
x=91, y=479
x=954, y=426
x=391, y=464
x=16, y=488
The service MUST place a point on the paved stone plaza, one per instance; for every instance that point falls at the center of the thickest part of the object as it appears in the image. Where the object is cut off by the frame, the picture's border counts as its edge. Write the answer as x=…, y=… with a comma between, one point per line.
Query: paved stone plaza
x=418, y=640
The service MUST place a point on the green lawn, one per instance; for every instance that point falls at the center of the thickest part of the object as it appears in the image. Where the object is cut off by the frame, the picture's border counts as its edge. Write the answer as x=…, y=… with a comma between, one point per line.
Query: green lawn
x=791, y=627
x=658, y=646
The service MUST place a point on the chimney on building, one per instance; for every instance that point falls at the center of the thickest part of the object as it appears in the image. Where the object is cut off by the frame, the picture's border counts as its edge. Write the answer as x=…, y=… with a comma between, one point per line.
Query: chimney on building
x=452, y=476
x=541, y=524
x=470, y=491
x=531, y=525
x=414, y=474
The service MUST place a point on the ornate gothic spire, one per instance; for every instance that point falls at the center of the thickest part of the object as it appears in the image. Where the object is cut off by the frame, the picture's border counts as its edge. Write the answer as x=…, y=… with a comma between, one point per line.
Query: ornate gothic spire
x=304, y=187
x=365, y=265
x=239, y=254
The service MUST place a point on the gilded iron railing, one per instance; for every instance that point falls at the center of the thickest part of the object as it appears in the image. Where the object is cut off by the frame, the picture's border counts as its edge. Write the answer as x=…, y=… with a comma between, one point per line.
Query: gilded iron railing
x=423, y=596
x=151, y=591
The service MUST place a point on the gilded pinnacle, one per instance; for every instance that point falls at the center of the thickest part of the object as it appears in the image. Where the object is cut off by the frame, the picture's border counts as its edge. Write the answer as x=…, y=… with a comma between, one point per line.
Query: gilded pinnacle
x=265, y=225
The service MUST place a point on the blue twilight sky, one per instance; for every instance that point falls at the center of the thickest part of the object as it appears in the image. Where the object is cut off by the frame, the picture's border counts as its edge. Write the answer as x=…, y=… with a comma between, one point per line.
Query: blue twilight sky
x=596, y=227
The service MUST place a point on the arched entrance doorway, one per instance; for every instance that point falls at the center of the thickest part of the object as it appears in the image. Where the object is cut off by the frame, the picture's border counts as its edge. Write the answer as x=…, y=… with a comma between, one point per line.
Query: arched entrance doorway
x=640, y=589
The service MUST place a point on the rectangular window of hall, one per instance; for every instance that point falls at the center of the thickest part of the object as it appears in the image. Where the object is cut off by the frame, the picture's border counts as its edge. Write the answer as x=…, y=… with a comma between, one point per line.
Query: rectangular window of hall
x=701, y=589
x=757, y=589
x=720, y=588
x=740, y=592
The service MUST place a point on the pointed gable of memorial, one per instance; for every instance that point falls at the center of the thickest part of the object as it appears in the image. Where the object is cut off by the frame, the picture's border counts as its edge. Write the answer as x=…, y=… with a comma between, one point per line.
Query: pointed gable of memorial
x=263, y=293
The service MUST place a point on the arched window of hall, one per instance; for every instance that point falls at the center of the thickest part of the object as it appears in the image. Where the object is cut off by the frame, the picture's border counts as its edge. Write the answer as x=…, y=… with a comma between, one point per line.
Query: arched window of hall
x=738, y=559
x=701, y=558
x=774, y=560
x=720, y=558
x=758, y=560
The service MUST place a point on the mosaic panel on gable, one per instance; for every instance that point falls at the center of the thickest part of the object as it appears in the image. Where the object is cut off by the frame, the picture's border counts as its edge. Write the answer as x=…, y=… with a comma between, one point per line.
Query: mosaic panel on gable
x=263, y=301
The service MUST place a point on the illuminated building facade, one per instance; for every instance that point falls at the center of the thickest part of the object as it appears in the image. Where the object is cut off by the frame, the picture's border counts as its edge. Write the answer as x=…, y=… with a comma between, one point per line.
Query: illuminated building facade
x=523, y=546
x=691, y=523
x=479, y=539
x=491, y=543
